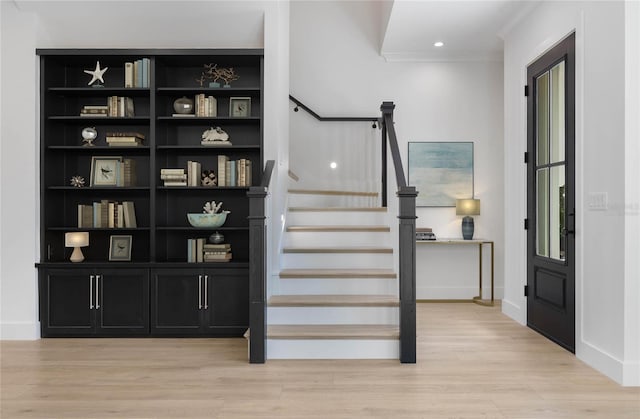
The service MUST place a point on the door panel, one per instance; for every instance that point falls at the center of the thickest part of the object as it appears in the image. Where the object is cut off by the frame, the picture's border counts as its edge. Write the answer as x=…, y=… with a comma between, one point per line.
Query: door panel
x=176, y=301
x=551, y=194
x=124, y=302
x=228, y=301
x=67, y=306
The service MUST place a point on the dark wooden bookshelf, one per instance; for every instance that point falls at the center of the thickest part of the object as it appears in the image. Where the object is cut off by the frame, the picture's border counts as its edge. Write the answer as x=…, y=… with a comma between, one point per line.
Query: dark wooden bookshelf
x=157, y=272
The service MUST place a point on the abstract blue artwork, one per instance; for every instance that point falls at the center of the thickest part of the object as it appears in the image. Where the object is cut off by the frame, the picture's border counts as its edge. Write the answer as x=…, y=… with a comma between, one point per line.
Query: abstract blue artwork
x=441, y=172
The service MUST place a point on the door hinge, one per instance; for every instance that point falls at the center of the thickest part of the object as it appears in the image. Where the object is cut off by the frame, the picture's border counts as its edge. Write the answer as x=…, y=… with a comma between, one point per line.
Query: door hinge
x=526, y=90
x=526, y=157
x=526, y=224
x=526, y=290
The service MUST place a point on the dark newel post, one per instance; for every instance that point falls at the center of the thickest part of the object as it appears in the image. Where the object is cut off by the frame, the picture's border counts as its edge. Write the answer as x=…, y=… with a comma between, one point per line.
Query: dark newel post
x=384, y=163
x=407, y=232
x=257, y=267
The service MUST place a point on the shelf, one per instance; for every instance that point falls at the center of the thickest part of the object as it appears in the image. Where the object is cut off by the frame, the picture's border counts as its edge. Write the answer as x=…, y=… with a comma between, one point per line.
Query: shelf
x=99, y=91
x=96, y=148
x=189, y=228
x=211, y=90
x=97, y=229
x=207, y=148
x=203, y=188
x=107, y=119
x=99, y=188
x=202, y=119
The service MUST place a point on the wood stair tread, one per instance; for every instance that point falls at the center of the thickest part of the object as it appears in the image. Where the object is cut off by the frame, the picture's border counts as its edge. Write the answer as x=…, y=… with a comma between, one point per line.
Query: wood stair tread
x=331, y=192
x=337, y=209
x=354, y=249
x=333, y=331
x=343, y=300
x=337, y=273
x=338, y=228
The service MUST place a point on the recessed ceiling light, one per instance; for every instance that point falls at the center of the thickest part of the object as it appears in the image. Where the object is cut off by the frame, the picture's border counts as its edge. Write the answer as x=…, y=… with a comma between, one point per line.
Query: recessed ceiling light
x=333, y=165
x=438, y=44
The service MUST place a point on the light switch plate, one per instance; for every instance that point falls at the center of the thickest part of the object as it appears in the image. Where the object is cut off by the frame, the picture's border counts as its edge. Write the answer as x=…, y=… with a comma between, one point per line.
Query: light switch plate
x=597, y=201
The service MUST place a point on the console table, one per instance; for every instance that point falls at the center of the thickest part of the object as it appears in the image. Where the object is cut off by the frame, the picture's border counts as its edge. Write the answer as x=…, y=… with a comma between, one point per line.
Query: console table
x=475, y=242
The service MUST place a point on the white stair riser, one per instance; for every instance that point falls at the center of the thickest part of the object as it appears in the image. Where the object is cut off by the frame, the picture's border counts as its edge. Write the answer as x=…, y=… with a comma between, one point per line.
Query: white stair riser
x=309, y=200
x=323, y=286
x=337, y=260
x=343, y=239
x=333, y=349
x=333, y=315
x=337, y=218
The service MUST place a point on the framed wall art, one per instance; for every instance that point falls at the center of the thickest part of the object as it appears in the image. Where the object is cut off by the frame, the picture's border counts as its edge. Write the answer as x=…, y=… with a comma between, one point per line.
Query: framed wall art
x=441, y=172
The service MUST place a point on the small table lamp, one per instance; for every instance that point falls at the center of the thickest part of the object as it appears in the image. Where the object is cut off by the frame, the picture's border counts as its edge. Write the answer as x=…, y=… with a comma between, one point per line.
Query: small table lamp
x=467, y=207
x=76, y=240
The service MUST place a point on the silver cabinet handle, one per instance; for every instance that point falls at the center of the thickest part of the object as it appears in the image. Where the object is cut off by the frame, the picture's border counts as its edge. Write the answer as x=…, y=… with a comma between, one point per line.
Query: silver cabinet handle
x=199, y=292
x=98, y=291
x=206, y=294
x=90, y=292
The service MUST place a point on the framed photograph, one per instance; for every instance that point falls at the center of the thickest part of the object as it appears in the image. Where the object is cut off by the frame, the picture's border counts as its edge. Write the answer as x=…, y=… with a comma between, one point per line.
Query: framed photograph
x=441, y=172
x=120, y=248
x=105, y=170
x=239, y=107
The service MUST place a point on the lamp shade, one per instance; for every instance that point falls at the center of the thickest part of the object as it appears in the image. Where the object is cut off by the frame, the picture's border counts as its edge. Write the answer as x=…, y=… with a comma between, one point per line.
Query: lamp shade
x=76, y=239
x=467, y=207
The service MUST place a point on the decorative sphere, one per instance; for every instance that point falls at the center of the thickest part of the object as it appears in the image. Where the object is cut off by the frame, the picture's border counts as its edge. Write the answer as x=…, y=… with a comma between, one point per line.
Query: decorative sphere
x=89, y=133
x=184, y=105
x=216, y=238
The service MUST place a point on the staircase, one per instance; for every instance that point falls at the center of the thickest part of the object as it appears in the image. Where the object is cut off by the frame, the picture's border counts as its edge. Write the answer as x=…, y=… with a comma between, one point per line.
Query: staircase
x=337, y=294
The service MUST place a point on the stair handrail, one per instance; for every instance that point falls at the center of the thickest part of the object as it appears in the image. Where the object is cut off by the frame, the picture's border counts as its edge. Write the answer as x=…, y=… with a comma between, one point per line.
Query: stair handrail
x=257, y=266
x=311, y=112
x=406, y=237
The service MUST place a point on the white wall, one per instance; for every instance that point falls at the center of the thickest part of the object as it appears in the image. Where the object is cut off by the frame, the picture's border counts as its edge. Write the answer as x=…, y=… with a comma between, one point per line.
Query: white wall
x=26, y=26
x=336, y=70
x=600, y=157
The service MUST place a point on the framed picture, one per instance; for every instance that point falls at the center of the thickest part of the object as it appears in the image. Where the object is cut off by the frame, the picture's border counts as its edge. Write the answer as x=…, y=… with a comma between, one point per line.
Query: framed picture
x=105, y=170
x=441, y=172
x=239, y=107
x=120, y=248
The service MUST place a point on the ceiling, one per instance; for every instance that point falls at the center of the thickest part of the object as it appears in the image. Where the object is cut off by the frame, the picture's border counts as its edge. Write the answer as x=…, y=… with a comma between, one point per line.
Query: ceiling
x=470, y=29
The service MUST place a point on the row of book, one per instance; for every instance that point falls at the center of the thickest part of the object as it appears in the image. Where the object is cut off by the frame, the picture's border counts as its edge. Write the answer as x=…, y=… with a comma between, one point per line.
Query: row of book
x=107, y=214
x=124, y=139
x=234, y=172
x=198, y=250
x=136, y=73
x=117, y=106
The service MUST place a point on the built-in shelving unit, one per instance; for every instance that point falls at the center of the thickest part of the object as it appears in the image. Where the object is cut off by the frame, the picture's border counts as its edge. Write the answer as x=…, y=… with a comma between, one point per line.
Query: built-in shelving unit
x=159, y=241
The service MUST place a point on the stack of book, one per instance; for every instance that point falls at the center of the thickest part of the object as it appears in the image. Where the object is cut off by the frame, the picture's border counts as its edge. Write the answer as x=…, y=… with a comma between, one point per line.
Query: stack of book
x=120, y=106
x=107, y=214
x=234, y=172
x=206, y=105
x=94, y=110
x=124, y=139
x=173, y=177
x=198, y=250
x=136, y=73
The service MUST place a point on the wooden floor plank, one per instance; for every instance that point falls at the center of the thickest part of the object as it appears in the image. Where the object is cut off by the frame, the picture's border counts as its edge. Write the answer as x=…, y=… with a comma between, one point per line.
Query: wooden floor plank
x=472, y=362
x=342, y=300
x=339, y=228
x=331, y=192
x=333, y=331
x=338, y=209
x=334, y=249
x=337, y=273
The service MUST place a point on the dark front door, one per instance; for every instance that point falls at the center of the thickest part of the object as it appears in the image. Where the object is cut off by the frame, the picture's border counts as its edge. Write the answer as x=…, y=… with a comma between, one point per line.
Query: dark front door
x=551, y=194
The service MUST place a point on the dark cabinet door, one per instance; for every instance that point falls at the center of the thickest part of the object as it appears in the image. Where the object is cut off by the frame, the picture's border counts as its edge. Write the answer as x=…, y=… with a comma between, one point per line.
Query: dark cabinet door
x=67, y=302
x=176, y=301
x=227, y=302
x=122, y=302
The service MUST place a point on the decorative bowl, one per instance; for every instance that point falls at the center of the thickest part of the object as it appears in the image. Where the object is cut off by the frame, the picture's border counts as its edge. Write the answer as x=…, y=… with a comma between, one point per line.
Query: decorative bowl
x=207, y=220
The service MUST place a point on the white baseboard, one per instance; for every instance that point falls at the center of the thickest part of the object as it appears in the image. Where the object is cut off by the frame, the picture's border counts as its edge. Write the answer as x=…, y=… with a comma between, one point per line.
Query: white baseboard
x=600, y=360
x=631, y=374
x=20, y=331
x=514, y=311
x=455, y=293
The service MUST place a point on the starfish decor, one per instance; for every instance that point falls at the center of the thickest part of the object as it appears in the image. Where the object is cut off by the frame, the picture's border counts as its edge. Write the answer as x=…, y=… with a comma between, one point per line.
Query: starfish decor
x=96, y=74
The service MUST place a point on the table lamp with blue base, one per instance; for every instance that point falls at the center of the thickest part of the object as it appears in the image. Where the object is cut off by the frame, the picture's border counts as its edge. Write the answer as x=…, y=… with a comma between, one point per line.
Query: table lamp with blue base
x=467, y=207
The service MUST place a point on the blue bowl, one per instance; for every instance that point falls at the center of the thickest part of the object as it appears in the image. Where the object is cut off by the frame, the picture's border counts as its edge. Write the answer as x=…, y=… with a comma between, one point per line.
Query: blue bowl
x=202, y=220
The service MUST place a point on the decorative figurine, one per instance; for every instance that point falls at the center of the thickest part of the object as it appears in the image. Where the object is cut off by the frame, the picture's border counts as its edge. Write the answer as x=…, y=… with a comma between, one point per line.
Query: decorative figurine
x=228, y=75
x=77, y=181
x=211, y=207
x=89, y=134
x=96, y=75
x=215, y=137
x=209, y=178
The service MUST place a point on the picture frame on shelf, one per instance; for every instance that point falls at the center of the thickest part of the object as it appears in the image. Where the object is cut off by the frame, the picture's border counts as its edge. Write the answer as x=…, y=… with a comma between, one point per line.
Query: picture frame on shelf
x=239, y=107
x=105, y=170
x=120, y=248
x=442, y=171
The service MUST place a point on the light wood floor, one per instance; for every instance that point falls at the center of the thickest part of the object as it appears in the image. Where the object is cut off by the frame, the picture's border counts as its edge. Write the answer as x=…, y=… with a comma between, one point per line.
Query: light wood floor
x=473, y=362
